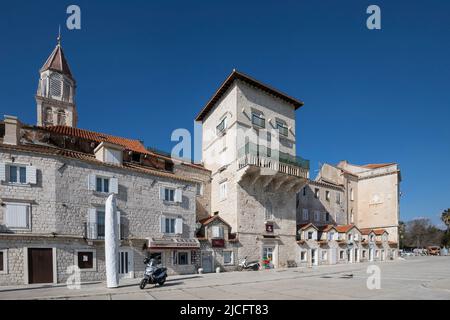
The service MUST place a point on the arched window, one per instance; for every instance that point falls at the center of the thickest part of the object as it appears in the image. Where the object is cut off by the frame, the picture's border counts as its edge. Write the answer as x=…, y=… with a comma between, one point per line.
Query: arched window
x=56, y=82
x=268, y=211
x=49, y=115
x=61, y=118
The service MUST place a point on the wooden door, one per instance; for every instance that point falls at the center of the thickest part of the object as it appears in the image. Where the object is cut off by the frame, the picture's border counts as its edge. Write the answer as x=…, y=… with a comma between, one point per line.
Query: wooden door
x=40, y=265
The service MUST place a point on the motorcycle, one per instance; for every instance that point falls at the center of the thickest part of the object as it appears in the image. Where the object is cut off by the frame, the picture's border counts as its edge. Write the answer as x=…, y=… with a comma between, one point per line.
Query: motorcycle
x=153, y=274
x=244, y=265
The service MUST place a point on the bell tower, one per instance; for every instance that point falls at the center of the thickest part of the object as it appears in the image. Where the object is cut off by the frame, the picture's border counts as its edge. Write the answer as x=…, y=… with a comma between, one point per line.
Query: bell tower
x=55, y=96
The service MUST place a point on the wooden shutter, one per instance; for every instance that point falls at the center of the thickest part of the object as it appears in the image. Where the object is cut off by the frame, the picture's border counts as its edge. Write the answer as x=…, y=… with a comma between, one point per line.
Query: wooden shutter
x=2, y=171
x=31, y=174
x=91, y=182
x=118, y=226
x=114, y=185
x=163, y=224
x=92, y=224
x=17, y=215
x=179, y=226
x=178, y=195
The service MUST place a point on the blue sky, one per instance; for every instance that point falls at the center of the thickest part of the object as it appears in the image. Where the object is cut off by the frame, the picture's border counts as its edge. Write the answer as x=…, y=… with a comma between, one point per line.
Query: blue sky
x=145, y=68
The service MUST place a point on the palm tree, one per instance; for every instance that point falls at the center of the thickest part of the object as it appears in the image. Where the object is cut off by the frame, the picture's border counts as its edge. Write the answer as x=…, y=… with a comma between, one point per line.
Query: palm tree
x=445, y=217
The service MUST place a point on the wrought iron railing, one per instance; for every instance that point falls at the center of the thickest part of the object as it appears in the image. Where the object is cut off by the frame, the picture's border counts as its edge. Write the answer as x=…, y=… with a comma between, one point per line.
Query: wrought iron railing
x=96, y=231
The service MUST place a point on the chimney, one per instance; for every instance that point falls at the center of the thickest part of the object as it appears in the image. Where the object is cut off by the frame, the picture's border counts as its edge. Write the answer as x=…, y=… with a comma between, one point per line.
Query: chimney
x=12, y=130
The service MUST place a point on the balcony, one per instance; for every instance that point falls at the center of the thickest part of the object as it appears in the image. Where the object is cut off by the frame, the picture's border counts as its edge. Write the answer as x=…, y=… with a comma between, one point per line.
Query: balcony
x=263, y=157
x=96, y=231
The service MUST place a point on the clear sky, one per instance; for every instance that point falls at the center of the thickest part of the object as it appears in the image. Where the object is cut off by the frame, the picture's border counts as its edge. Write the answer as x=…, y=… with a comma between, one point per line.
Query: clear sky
x=145, y=68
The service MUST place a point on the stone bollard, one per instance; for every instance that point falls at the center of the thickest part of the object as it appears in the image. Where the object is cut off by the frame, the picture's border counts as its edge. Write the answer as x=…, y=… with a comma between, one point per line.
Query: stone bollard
x=200, y=270
x=218, y=270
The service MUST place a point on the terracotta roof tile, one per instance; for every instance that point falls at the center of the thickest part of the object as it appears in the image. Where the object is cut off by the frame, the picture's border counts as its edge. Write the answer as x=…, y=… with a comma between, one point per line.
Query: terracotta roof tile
x=208, y=220
x=306, y=225
x=345, y=228
x=129, y=144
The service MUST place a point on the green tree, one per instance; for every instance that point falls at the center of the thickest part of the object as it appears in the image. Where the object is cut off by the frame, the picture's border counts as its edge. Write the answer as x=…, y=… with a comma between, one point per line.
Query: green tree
x=445, y=217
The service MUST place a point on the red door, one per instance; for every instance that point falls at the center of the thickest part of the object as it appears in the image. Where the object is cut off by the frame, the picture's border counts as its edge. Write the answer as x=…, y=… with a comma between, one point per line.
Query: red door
x=40, y=265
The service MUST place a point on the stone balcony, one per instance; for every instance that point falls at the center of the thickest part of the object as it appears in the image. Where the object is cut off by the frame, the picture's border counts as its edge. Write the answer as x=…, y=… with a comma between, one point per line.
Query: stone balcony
x=281, y=173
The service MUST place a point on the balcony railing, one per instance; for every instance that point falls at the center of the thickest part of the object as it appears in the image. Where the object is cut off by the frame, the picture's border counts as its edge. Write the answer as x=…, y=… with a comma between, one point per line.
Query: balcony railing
x=261, y=156
x=96, y=231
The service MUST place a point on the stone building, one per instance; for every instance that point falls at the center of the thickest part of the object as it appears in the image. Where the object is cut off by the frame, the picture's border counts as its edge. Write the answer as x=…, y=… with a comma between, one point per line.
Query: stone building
x=249, y=146
x=54, y=181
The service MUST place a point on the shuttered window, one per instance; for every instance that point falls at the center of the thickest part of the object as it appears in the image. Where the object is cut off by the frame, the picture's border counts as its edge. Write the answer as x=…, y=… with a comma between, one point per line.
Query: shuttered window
x=17, y=216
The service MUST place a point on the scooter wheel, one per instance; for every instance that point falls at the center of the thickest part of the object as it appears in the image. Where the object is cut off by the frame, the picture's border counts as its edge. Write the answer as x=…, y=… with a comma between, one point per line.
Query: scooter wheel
x=163, y=280
x=143, y=284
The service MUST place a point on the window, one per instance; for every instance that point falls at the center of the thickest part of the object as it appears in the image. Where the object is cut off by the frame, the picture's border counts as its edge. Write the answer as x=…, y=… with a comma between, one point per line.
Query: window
x=310, y=235
x=377, y=253
x=327, y=216
x=352, y=217
x=100, y=224
x=324, y=255
x=341, y=254
x=372, y=237
x=221, y=126
x=352, y=195
x=200, y=189
x=228, y=257
x=303, y=256
x=338, y=198
x=330, y=236
x=223, y=190
x=49, y=116
x=56, y=81
x=17, y=174
x=258, y=120
x=356, y=237
x=268, y=211
x=169, y=195
x=304, y=191
x=183, y=258
x=102, y=185
x=282, y=128
x=170, y=225
x=268, y=253
x=317, y=193
x=217, y=232
x=85, y=259
x=305, y=214
x=327, y=195
x=17, y=216
x=61, y=118
x=316, y=216
x=364, y=253
x=350, y=237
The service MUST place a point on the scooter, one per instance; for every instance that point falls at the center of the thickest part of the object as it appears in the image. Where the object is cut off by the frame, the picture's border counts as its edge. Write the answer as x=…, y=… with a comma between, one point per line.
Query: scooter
x=153, y=274
x=244, y=265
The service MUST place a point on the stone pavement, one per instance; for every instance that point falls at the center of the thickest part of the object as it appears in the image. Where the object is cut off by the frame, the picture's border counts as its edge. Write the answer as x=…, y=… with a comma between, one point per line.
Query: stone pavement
x=413, y=278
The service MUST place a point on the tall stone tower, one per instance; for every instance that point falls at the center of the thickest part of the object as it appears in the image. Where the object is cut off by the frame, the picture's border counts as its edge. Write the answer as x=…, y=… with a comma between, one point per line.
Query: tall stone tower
x=56, y=92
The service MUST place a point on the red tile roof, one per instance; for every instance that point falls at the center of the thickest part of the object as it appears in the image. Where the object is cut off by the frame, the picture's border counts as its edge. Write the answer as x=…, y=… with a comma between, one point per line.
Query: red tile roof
x=326, y=228
x=366, y=231
x=129, y=144
x=236, y=75
x=305, y=226
x=57, y=62
x=345, y=228
x=379, y=232
x=208, y=220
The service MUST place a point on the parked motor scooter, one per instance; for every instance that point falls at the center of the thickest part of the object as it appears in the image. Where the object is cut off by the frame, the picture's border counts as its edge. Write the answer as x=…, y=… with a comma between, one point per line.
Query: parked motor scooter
x=244, y=265
x=153, y=274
